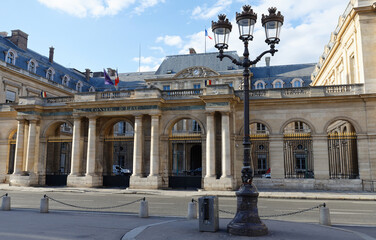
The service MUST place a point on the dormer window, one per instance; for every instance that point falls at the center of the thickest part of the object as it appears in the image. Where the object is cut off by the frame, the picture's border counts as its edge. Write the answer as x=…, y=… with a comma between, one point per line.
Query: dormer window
x=260, y=84
x=278, y=83
x=32, y=66
x=65, y=80
x=91, y=89
x=50, y=74
x=79, y=86
x=297, y=82
x=11, y=57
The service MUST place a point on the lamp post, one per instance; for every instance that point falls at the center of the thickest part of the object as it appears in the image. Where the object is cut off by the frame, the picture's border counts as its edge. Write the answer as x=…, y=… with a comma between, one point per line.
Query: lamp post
x=247, y=221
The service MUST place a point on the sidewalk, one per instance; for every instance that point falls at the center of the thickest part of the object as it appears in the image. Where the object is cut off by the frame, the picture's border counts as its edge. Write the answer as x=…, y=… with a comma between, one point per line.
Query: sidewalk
x=317, y=195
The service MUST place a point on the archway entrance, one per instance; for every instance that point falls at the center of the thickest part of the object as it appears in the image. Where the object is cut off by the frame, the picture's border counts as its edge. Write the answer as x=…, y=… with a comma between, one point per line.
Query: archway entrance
x=343, y=151
x=58, y=162
x=186, y=155
x=118, y=155
x=297, y=148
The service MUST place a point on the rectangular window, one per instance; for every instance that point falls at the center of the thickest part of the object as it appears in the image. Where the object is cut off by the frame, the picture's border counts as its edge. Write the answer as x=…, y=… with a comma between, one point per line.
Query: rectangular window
x=197, y=86
x=300, y=162
x=166, y=87
x=352, y=70
x=10, y=97
x=261, y=162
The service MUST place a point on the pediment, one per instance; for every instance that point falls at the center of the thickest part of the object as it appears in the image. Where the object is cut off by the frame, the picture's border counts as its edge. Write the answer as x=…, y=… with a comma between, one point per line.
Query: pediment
x=193, y=72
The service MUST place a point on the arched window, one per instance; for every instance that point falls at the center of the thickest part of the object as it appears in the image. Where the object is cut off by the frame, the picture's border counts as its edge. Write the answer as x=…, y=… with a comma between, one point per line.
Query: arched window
x=91, y=89
x=260, y=84
x=11, y=57
x=278, y=83
x=50, y=74
x=297, y=82
x=79, y=86
x=65, y=80
x=32, y=66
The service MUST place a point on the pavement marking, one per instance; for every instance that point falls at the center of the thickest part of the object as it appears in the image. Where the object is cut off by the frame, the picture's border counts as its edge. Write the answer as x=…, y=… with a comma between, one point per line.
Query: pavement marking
x=131, y=235
x=362, y=235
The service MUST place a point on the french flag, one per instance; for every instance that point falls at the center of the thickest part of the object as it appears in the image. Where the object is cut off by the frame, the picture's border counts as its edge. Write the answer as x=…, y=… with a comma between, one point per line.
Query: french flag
x=43, y=94
x=206, y=34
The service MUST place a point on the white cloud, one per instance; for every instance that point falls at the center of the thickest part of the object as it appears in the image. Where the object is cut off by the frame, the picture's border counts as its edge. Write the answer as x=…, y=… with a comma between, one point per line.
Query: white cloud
x=170, y=40
x=146, y=4
x=148, y=63
x=97, y=8
x=205, y=12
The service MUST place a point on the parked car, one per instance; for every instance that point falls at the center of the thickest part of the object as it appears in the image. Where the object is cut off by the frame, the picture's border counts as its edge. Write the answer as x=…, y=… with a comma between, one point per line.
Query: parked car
x=118, y=170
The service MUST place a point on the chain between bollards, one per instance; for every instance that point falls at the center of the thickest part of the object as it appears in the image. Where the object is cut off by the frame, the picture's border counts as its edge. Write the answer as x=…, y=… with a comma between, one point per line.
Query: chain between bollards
x=94, y=208
x=5, y=195
x=283, y=214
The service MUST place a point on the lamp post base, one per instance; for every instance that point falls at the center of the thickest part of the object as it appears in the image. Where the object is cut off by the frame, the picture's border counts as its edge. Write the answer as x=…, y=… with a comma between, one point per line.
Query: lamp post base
x=247, y=221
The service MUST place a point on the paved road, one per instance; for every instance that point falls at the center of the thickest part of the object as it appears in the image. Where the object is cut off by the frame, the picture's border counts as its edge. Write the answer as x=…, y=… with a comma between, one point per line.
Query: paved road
x=342, y=212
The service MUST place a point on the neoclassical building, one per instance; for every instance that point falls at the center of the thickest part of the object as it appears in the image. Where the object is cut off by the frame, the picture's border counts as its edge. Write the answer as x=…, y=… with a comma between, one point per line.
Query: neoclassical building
x=312, y=125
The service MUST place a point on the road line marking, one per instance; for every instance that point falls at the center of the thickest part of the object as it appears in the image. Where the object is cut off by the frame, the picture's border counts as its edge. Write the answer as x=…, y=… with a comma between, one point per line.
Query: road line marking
x=131, y=235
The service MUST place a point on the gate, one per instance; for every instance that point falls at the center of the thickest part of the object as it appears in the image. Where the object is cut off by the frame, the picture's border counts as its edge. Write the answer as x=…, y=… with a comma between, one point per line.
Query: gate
x=56, y=179
x=260, y=154
x=343, y=155
x=186, y=161
x=58, y=160
x=297, y=148
x=116, y=181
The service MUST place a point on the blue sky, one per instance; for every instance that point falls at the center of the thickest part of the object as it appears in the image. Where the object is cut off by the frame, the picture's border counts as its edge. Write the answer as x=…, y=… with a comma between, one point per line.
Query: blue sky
x=97, y=34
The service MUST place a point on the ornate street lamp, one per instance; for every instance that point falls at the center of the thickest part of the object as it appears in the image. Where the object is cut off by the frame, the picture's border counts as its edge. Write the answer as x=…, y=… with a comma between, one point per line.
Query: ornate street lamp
x=247, y=221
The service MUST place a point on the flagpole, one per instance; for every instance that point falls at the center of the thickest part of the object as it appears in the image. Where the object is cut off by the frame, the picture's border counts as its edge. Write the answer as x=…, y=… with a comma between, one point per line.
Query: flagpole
x=205, y=39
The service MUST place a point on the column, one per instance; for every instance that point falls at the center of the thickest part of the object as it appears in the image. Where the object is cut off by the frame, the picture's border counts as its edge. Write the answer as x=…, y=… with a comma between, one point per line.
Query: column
x=320, y=156
x=18, y=159
x=30, y=151
x=137, y=146
x=91, y=148
x=154, y=146
x=226, y=153
x=76, y=147
x=276, y=157
x=210, y=145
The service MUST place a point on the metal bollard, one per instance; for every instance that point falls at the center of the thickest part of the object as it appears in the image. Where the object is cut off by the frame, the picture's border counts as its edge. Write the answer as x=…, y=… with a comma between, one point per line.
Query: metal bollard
x=144, y=209
x=325, y=216
x=5, y=206
x=192, y=210
x=44, y=204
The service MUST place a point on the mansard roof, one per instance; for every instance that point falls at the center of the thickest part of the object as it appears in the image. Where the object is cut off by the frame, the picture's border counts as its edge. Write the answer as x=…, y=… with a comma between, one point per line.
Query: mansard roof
x=176, y=63
x=43, y=64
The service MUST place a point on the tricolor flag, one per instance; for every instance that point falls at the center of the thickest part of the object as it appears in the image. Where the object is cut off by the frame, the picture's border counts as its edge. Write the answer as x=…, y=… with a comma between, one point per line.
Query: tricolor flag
x=107, y=79
x=116, y=78
x=43, y=94
x=207, y=82
x=206, y=34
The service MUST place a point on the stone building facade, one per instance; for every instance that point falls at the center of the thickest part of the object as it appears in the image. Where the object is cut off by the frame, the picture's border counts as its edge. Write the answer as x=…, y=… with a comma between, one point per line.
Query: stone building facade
x=181, y=126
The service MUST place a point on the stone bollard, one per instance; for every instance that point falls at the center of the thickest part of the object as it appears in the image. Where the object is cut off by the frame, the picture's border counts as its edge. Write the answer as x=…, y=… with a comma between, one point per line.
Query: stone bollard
x=192, y=210
x=325, y=216
x=5, y=206
x=44, y=204
x=144, y=209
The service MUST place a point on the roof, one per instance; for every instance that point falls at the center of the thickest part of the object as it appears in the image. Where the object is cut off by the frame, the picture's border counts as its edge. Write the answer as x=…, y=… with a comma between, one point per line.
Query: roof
x=175, y=63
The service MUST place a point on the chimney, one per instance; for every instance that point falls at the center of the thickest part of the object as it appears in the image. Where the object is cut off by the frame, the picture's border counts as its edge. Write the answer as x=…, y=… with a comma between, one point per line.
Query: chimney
x=192, y=51
x=267, y=61
x=87, y=74
x=51, y=58
x=19, y=38
x=4, y=34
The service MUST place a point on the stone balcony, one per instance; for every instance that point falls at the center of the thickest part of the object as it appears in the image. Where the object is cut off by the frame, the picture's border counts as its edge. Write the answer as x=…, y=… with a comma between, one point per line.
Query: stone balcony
x=212, y=90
